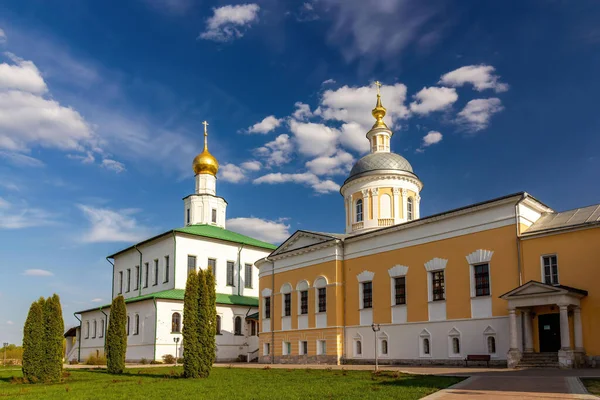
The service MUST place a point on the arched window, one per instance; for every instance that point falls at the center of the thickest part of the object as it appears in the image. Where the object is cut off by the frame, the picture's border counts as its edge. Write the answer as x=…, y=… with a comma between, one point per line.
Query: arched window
x=456, y=345
x=409, y=209
x=358, y=348
x=238, y=326
x=176, y=323
x=218, y=324
x=384, y=347
x=128, y=324
x=491, y=343
x=426, y=346
x=136, y=327
x=359, y=210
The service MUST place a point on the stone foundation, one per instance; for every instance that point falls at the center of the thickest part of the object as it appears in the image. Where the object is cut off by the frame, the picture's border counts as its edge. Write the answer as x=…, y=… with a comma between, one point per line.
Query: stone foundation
x=298, y=359
x=457, y=362
x=513, y=357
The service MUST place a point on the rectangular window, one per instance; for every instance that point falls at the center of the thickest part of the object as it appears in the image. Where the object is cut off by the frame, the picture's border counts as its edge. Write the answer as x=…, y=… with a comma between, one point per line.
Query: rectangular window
x=287, y=304
x=437, y=285
x=322, y=299
x=230, y=273
x=214, y=215
x=120, y=282
x=550, y=270
x=101, y=328
x=94, y=331
x=304, y=302
x=287, y=348
x=267, y=307
x=482, y=279
x=191, y=264
x=166, y=269
x=137, y=278
x=266, y=349
x=303, y=347
x=187, y=218
x=321, y=347
x=367, y=294
x=252, y=328
x=87, y=329
x=155, y=272
x=128, y=279
x=212, y=264
x=400, y=290
x=248, y=276
x=146, y=274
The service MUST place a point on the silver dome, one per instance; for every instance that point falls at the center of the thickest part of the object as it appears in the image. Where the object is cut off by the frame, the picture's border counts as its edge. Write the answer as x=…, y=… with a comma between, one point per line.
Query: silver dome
x=380, y=161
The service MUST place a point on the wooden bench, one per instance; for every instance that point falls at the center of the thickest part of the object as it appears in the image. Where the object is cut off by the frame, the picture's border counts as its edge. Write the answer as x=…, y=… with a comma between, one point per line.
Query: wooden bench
x=478, y=357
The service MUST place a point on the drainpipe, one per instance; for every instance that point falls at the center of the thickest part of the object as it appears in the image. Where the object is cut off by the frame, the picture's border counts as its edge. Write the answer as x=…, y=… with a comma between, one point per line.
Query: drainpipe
x=140, y=277
x=344, y=306
x=239, y=260
x=174, y=260
x=113, y=278
x=79, y=341
x=105, y=327
x=155, y=325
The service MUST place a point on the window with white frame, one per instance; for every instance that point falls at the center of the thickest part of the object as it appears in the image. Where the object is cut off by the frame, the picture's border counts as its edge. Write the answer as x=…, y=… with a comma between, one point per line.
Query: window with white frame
x=95, y=329
x=367, y=294
x=550, y=269
x=147, y=274
x=252, y=328
x=230, y=273
x=321, y=294
x=87, y=329
x=409, y=209
x=218, y=325
x=267, y=307
x=321, y=347
x=166, y=279
x=287, y=348
x=383, y=342
x=101, y=328
x=176, y=323
x=359, y=210
x=489, y=335
x=136, y=326
x=287, y=304
x=357, y=348
x=304, y=302
x=454, y=343
x=481, y=273
x=128, y=279
x=137, y=278
x=191, y=264
x=187, y=217
x=248, y=276
x=120, y=282
x=155, y=272
x=212, y=265
x=238, y=326
x=214, y=216
x=399, y=290
x=425, y=343
x=384, y=347
x=303, y=348
x=128, y=324
x=438, y=287
x=266, y=349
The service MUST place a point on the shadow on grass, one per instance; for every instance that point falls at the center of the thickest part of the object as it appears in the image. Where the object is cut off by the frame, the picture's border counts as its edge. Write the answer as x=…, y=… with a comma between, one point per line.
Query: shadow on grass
x=421, y=381
x=140, y=373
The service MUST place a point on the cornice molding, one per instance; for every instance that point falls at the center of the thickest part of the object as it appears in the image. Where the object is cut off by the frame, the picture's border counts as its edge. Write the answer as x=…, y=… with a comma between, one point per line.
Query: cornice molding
x=398, y=270
x=436, y=264
x=479, y=256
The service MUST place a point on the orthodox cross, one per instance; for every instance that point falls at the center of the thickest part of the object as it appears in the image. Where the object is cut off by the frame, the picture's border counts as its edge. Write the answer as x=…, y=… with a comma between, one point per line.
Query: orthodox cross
x=378, y=84
x=205, y=125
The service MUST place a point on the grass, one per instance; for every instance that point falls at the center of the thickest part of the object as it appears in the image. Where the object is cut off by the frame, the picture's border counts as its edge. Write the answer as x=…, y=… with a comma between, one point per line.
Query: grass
x=226, y=383
x=592, y=385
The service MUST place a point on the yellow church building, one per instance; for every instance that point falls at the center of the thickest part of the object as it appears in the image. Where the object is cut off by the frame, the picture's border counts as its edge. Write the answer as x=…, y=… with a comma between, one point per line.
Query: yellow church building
x=508, y=278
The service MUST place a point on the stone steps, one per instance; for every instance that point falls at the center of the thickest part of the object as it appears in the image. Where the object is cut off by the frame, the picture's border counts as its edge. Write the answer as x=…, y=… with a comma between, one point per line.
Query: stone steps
x=539, y=360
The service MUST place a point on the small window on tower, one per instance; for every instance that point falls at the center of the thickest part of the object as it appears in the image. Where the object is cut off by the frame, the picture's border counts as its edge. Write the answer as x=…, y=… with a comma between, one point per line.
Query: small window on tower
x=187, y=218
x=214, y=215
x=359, y=210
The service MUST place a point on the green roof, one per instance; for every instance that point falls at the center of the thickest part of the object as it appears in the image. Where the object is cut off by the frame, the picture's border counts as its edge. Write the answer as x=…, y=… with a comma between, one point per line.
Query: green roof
x=216, y=232
x=177, y=294
x=253, y=316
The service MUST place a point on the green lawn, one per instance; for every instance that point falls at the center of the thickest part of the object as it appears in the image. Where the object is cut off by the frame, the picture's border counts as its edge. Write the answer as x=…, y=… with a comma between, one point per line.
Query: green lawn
x=227, y=383
x=592, y=385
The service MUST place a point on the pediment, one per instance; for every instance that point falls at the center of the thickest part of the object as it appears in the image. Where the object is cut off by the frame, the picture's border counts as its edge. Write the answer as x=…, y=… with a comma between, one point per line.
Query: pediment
x=299, y=240
x=533, y=288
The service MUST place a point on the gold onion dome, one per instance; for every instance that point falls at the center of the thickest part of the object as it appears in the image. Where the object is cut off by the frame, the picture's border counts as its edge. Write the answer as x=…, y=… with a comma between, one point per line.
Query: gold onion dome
x=379, y=110
x=205, y=163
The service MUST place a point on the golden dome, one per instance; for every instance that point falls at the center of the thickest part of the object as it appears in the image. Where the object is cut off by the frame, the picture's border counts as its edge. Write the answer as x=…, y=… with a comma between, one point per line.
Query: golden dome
x=205, y=163
x=379, y=110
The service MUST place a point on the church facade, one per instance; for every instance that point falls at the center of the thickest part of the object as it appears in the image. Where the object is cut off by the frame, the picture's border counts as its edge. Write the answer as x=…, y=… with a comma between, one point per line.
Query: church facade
x=508, y=278
x=151, y=275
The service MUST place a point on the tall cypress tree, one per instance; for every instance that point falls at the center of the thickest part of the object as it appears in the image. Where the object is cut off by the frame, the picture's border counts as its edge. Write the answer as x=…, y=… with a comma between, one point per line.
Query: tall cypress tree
x=33, y=342
x=53, y=329
x=211, y=351
x=116, y=337
x=191, y=329
x=204, y=326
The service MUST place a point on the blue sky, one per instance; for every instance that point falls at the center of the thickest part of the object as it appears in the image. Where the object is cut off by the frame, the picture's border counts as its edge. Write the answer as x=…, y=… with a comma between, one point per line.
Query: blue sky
x=101, y=105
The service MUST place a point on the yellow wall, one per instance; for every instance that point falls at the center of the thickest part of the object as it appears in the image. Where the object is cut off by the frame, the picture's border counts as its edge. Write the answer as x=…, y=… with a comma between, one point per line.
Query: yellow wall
x=389, y=192
x=503, y=269
x=578, y=255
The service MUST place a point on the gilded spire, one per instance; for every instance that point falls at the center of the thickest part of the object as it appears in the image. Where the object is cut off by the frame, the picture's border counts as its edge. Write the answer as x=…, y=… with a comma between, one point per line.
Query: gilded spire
x=205, y=163
x=379, y=110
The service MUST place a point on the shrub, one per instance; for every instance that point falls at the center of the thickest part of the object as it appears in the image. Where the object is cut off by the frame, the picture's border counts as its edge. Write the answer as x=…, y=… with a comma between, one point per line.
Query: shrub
x=54, y=329
x=144, y=361
x=94, y=359
x=211, y=317
x=191, y=328
x=33, y=342
x=180, y=360
x=74, y=362
x=169, y=359
x=116, y=337
x=153, y=362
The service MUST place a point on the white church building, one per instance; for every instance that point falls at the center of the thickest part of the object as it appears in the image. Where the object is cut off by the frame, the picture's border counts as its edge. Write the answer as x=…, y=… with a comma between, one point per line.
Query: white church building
x=151, y=276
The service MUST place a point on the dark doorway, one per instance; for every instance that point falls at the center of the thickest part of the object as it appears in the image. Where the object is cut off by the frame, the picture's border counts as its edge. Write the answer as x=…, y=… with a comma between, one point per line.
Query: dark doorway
x=549, y=327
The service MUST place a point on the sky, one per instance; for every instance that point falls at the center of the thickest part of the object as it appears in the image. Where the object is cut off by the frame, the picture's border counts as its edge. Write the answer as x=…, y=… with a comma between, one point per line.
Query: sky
x=102, y=103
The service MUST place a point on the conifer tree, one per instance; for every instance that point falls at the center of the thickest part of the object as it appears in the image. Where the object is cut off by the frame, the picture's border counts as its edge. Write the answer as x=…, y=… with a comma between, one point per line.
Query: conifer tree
x=204, y=326
x=53, y=343
x=116, y=337
x=191, y=329
x=33, y=342
x=211, y=351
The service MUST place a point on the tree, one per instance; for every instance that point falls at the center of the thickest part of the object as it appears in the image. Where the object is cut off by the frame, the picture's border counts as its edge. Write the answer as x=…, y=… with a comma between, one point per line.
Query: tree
x=53, y=329
x=116, y=337
x=211, y=317
x=205, y=326
x=191, y=328
x=33, y=342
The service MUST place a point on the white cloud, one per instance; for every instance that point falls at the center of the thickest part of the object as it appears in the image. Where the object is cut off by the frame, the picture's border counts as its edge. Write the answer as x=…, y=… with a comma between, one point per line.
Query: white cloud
x=22, y=75
x=266, y=125
x=37, y=272
x=328, y=82
x=277, y=152
x=96, y=300
x=9, y=322
x=87, y=159
x=227, y=22
x=231, y=173
x=21, y=216
x=268, y=231
x=252, y=165
x=302, y=111
x=112, y=226
x=3, y=37
x=113, y=165
x=337, y=164
x=21, y=160
x=305, y=178
x=314, y=139
x=481, y=76
x=477, y=113
x=432, y=137
x=354, y=137
x=431, y=99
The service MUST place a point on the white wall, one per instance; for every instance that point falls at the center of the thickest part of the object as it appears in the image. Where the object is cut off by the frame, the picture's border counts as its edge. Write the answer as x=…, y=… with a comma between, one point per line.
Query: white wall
x=91, y=345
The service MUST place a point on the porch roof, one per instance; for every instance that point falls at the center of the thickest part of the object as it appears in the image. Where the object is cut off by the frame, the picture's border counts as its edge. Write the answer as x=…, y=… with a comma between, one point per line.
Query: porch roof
x=534, y=293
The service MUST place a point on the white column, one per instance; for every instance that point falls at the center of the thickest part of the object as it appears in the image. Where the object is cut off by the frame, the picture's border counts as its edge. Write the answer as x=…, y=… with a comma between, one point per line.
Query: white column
x=565, y=341
x=375, y=196
x=512, y=326
x=577, y=329
x=396, y=198
x=365, y=193
x=528, y=331
x=404, y=197
x=417, y=210
x=349, y=213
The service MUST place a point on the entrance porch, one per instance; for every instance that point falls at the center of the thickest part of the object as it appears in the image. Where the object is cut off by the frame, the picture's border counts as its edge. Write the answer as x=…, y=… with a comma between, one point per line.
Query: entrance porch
x=553, y=327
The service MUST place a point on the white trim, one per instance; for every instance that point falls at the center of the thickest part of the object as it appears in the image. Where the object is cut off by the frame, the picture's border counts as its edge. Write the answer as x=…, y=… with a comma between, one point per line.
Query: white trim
x=266, y=348
x=365, y=276
x=286, y=348
x=435, y=264
x=302, y=285
x=355, y=339
x=381, y=337
x=480, y=256
x=425, y=334
x=300, y=350
x=487, y=333
x=266, y=292
x=398, y=270
x=319, y=349
x=454, y=334
x=286, y=289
